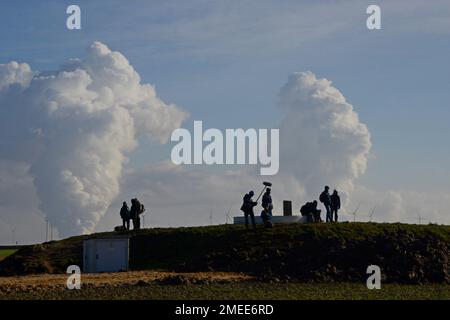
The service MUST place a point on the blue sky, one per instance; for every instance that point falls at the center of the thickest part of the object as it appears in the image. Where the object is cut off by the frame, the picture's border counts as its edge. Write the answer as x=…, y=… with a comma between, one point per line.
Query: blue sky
x=225, y=61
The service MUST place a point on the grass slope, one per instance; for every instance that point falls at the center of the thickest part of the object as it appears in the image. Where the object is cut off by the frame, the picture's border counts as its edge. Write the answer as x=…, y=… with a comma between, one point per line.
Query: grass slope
x=6, y=252
x=304, y=252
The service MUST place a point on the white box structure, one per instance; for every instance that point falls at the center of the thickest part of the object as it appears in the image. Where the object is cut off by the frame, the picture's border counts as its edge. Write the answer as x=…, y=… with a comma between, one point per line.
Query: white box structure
x=275, y=219
x=106, y=255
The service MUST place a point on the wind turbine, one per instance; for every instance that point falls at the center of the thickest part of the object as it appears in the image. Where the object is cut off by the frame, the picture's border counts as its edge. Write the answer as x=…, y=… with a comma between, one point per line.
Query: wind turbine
x=355, y=212
x=419, y=217
x=228, y=214
x=371, y=213
x=46, y=229
x=13, y=235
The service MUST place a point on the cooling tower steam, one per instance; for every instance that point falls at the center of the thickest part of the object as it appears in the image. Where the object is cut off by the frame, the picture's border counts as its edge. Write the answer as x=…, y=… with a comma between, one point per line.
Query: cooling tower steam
x=74, y=127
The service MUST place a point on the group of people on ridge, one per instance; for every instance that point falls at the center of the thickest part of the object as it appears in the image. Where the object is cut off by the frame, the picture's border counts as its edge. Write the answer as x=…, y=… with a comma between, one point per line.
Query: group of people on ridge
x=132, y=214
x=331, y=202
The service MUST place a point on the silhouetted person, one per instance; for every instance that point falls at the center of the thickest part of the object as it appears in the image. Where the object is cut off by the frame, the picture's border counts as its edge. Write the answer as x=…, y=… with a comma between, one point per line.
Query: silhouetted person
x=135, y=211
x=125, y=215
x=247, y=207
x=325, y=198
x=335, y=205
x=267, y=201
x=311, y=212
x=266, y=217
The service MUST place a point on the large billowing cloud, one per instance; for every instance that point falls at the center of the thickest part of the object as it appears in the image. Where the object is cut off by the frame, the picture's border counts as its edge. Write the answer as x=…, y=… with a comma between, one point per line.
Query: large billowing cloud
x=74, y=128
x=322, y=140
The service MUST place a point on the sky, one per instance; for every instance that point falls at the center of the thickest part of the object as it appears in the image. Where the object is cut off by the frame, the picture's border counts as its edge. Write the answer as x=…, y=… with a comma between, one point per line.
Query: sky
x=225, y=62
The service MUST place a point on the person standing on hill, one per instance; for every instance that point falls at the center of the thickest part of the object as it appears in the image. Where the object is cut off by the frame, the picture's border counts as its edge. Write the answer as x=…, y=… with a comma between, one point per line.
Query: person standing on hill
x=247, y=208
x=136, y=210
x=335, y=205
x=325, y=198
x=267, y=202
x=125, y=215
x=134, y=213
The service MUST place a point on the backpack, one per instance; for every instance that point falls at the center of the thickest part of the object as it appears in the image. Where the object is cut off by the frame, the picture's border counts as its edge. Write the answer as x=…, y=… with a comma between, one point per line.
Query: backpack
x=245, y=205
x=304, y=210
x=141, y=208
x=322, y=197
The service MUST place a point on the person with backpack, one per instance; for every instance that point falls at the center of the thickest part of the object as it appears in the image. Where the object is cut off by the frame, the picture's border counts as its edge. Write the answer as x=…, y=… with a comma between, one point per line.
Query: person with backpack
x=125, y=215
x=325, y=198
x=335, y=205
x=311, y=212
x=247, y=208
x=136, y=209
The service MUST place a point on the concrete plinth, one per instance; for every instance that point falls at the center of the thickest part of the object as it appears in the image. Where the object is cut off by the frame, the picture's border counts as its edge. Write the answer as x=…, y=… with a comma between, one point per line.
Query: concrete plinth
x=275, y=219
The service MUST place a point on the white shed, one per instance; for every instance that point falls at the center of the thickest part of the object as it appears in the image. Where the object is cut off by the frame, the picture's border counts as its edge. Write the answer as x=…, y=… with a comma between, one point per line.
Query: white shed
x=106, y=255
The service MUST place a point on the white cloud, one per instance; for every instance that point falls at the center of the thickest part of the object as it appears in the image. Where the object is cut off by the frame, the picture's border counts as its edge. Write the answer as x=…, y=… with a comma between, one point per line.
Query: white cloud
x=323, y=141
x=74, y=128
x=20, y=218
x=14, y=73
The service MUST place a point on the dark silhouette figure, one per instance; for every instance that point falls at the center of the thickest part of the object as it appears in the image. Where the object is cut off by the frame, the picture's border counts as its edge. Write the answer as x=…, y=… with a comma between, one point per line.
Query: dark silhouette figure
x=247, y=207
x=125, y=215
x=136, y=209
x=335, y=205
x=311, y=212
x=267, y=201
x=266, y=217
x=325, y=198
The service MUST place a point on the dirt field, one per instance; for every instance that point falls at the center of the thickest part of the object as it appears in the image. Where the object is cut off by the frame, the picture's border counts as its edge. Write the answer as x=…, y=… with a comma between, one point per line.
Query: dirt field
x=118, y=279
x=45, y=283
x=208, y=285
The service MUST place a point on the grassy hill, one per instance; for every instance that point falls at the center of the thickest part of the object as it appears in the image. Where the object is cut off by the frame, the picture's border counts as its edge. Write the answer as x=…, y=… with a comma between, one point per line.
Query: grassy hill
x=297, y=252
x=6, y=252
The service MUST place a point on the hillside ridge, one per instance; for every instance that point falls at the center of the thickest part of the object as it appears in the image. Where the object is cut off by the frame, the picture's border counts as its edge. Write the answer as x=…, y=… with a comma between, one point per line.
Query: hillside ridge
x=294, y=252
